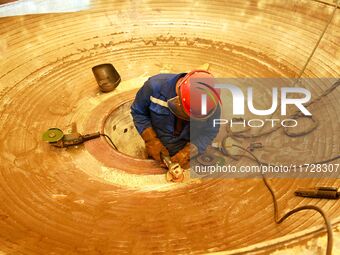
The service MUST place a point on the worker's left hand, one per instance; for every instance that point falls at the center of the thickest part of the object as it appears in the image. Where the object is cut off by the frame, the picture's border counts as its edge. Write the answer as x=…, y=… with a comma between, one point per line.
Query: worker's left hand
x=183, y=156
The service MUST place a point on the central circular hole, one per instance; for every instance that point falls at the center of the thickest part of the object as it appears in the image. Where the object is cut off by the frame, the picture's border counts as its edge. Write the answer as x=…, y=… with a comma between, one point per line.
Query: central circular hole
x=120, y=128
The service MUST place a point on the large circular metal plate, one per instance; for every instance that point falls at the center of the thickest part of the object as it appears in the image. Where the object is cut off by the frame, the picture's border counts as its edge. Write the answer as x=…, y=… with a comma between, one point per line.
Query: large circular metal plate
x=93, y=200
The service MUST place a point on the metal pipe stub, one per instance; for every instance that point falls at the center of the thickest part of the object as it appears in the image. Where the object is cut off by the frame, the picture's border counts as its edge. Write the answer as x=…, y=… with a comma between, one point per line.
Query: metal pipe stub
x=106, y=76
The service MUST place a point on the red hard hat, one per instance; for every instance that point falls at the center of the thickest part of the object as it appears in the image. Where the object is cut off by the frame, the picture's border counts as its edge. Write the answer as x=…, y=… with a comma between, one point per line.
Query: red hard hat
x=195, y=85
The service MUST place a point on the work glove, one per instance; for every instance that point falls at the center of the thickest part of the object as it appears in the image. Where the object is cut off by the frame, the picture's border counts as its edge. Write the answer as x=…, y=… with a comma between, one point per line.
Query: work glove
x=153, y=145
x=183, y=156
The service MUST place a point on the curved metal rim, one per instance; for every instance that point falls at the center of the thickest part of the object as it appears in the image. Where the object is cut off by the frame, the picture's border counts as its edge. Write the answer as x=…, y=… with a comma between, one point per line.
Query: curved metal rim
x=104, y=152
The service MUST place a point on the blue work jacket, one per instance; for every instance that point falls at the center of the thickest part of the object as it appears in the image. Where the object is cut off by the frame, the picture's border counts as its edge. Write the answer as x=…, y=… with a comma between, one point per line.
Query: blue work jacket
x=146, y=113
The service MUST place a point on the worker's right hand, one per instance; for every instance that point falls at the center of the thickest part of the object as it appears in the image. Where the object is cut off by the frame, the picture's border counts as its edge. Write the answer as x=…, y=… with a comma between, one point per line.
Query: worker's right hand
x=153, y=145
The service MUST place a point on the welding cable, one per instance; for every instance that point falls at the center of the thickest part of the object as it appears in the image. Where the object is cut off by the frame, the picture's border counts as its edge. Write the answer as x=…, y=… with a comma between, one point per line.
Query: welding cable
x=109, y=138
x=237, y=157
x=298, y=115
x=294, y=116
x=331, y=17
x=295, y=210
x=307, y=131
x=337, y=3
x=312, y=128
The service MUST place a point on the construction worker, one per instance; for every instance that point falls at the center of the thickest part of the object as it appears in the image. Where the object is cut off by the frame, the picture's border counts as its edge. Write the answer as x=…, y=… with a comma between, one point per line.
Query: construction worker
x=162, y=112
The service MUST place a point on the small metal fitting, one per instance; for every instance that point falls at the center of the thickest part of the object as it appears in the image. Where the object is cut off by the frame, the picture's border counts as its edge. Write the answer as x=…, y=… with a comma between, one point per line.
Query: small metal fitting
x=319, y=192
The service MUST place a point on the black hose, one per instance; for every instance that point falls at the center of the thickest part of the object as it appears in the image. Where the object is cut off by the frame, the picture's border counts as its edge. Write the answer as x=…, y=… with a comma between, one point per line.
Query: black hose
x=294, y=116
x=295, y=210
x=109, y=138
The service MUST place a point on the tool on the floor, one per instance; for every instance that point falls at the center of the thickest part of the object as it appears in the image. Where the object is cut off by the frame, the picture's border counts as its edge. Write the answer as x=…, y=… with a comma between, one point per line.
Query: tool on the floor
x=318, y=192
x=206, y=159
x=106, y=76
x=209, y=159
x=175, y=173
x=57, y=138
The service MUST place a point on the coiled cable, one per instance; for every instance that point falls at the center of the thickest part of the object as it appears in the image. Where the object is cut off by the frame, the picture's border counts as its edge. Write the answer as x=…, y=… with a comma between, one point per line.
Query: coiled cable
x=279, y=220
